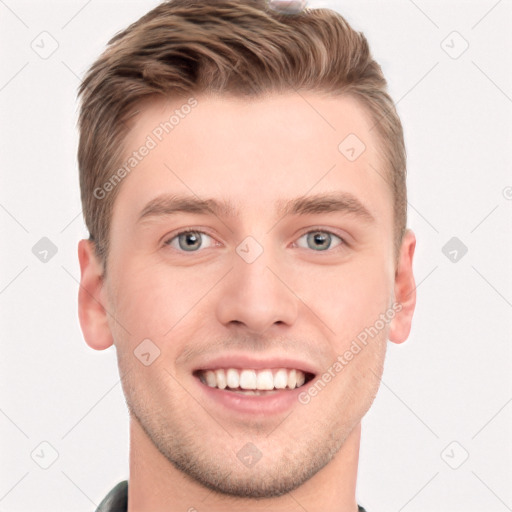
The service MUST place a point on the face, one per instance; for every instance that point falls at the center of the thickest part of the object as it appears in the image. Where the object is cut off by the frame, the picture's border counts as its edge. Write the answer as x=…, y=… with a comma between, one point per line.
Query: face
x=254, y=255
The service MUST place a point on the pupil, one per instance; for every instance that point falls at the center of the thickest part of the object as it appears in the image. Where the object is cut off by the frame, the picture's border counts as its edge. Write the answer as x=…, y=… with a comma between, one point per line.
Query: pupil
x=320, y=238
x=191, y=240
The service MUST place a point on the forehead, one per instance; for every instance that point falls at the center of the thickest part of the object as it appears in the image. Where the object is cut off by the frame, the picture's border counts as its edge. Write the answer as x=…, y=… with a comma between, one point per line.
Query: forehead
x=252, y=151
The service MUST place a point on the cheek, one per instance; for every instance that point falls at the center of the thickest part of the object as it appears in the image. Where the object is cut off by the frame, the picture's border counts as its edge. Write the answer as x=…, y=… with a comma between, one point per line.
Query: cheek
x=159, y=302
x=349, y=297
x=149, y=301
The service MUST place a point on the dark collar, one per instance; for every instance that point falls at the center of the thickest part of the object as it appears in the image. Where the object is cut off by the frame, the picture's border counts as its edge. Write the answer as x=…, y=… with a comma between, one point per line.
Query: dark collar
x=117, y=499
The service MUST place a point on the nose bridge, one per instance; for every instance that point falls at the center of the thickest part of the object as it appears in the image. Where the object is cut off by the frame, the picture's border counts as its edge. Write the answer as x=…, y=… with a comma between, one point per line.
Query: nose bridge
x=254, y=295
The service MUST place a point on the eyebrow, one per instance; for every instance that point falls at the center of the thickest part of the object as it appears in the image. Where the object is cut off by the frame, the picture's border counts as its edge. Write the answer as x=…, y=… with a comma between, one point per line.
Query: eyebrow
x=342, y=202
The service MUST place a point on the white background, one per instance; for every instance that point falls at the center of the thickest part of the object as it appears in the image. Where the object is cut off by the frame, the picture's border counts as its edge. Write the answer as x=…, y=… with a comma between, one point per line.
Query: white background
x=450, y=382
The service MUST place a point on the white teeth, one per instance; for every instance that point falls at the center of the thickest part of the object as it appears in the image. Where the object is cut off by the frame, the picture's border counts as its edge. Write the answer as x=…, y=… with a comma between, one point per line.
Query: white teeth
x=292, y=379
x=210, y=378
x=248, y=379
x=255, y=380
x=232, y=378
x=265, y=380
x=280, y=379
x=221, y=379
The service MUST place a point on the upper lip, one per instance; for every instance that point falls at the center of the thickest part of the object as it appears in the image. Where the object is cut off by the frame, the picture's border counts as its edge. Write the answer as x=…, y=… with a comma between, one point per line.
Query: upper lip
x=242, y=362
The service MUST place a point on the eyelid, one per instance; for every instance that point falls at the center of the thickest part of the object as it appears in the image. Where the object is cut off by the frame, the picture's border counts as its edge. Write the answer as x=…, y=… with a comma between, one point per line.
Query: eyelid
x=342, y=236
x=167, y=239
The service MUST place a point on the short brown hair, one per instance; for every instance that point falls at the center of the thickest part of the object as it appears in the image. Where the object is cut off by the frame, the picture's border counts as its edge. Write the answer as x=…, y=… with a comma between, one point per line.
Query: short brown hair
x=238, y=47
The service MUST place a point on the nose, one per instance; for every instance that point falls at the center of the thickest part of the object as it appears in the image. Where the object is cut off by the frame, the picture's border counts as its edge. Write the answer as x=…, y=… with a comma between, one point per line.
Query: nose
x=257, y=296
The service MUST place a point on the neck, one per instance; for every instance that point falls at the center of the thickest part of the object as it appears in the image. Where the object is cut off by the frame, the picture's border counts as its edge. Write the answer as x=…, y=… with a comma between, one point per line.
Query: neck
x=156, y=485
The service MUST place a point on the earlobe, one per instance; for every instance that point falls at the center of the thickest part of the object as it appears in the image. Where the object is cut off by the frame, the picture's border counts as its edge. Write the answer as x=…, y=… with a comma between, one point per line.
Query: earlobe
x=91, y=311
x=405, y=291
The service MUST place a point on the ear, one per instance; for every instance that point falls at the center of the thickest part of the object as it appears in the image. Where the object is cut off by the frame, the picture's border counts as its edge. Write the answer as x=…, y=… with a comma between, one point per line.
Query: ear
x=405, y=291
x=92, y=313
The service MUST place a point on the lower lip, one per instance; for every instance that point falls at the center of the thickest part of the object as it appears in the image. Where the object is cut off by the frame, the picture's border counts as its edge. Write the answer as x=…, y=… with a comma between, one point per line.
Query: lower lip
x=275, y=402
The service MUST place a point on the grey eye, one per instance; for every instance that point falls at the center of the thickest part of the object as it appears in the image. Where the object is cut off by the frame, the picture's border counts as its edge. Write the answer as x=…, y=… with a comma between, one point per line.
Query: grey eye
x=319, y=240
x=188, y=241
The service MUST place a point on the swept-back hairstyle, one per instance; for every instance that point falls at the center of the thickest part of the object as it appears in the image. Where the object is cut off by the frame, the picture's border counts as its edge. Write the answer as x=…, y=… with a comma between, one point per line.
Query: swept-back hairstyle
x=234, y=47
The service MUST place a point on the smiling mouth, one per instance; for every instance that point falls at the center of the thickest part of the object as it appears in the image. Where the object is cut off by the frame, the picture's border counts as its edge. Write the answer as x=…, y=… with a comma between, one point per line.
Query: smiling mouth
x=254, y=382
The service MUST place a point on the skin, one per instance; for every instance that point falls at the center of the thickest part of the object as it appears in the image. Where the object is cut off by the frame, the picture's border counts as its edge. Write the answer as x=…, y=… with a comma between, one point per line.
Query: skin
x=294, y=300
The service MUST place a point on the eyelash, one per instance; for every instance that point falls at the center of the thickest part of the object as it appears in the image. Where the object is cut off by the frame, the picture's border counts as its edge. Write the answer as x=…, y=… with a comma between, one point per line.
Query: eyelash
x=342, y=244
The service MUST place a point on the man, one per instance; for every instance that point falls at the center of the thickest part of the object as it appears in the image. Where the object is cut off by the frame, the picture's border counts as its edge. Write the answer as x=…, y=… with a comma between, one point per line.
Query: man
x=242, y=170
